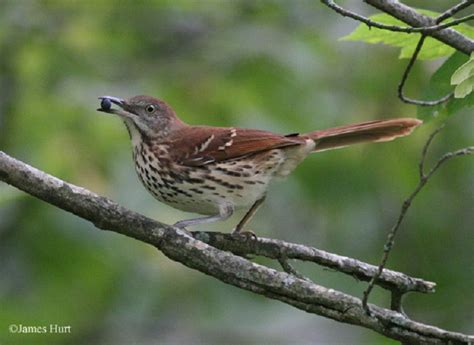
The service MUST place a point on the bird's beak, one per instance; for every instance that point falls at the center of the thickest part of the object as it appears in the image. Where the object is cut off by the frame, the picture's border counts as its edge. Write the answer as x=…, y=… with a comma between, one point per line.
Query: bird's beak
x=123, y=110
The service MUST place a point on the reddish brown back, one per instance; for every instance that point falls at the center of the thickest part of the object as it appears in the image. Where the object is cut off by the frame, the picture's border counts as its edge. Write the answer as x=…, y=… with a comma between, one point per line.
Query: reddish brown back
x=200, y=145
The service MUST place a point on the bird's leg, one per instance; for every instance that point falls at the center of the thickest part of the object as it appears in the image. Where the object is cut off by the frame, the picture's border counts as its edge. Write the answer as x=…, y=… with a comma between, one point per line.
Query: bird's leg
x=250, y=213
x=225, y=212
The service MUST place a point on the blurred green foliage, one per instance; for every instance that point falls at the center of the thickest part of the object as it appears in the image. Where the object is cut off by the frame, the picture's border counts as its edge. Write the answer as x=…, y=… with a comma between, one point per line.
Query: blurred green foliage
x=275, y=65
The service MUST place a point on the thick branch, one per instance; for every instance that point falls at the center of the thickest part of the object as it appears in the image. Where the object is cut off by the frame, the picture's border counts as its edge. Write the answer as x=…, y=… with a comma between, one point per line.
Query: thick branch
x=412, y=17
x=180, y=246
x=275, y=249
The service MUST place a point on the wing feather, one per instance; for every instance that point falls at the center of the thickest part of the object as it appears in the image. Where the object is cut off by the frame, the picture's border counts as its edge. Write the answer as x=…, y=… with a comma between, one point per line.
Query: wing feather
x=201, y=145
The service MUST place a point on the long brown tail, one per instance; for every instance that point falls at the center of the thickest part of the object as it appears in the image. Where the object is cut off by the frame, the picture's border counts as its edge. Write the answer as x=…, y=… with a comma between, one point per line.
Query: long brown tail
x=372, y=131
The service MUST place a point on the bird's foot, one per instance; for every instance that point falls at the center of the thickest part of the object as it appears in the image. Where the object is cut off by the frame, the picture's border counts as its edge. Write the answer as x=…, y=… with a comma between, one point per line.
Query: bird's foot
x=243, y=234
x=179, y=225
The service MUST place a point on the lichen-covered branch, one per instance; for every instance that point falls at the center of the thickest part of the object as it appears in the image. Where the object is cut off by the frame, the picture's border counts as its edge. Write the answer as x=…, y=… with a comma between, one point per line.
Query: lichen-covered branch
x=277, y=249
x=180, y=246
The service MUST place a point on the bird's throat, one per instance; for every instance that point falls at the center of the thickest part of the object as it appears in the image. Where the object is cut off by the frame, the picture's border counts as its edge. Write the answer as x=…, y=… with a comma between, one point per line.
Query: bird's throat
x=136, y=135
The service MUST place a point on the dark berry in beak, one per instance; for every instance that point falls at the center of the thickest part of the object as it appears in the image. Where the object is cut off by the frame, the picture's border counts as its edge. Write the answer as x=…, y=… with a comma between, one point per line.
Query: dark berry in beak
x=105, y=104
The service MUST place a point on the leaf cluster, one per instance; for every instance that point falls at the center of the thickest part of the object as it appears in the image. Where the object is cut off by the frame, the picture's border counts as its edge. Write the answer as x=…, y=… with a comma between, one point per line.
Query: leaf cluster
x=456, y=74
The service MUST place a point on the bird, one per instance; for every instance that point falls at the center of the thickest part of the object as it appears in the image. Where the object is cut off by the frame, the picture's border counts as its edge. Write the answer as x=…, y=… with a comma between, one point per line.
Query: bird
x=214, y=171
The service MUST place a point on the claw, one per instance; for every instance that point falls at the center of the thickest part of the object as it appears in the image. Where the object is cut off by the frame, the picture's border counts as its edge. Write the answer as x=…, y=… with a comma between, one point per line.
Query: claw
x=244, y=234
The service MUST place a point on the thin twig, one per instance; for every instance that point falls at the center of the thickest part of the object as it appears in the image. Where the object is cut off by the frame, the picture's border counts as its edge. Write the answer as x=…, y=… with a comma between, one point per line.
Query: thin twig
x=454, y=22
x=288, y=268
x=421, y=165
x=407, y=203
x=407, y=71
x=406, y=29
x=445, y=15
x=447, y=156
x=455, y=9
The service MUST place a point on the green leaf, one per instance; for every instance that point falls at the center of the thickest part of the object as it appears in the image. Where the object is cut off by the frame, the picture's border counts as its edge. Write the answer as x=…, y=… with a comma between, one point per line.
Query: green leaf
x=456, y=104
x=440, y=86
x=463, y=72
x=432, y=48
x=464, y=88
x=463, y=78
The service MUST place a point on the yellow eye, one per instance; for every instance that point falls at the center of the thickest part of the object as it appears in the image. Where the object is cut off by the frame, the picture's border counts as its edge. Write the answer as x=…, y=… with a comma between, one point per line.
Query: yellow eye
x=150, y=108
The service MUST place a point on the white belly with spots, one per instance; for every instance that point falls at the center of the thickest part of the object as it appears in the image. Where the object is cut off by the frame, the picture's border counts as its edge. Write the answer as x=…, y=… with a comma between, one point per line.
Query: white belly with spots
x=240, y=182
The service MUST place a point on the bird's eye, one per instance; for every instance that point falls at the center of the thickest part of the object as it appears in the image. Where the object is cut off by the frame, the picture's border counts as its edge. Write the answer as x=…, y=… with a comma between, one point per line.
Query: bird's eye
x=150, y=108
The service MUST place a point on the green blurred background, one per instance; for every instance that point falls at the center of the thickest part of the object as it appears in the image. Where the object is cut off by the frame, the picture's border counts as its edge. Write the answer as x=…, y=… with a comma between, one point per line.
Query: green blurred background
x=275, y=65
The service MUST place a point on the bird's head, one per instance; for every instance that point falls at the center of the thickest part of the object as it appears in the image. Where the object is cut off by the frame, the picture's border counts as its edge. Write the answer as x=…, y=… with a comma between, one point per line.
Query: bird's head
x=144, y=115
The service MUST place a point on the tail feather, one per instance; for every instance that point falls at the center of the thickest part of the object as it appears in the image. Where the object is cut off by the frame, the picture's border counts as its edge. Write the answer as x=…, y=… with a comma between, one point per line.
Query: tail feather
x=372, y=131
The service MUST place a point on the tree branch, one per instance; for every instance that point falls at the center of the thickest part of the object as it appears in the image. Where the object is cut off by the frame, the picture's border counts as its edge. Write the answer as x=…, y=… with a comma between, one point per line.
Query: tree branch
x=276, y=249
x=406, y=29
x=455, y=9
x=412, y=17
x=178, y=245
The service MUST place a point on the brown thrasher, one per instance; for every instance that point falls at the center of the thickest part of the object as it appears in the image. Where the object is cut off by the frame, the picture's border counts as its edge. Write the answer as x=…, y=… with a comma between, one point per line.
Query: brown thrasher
x=215, y=170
